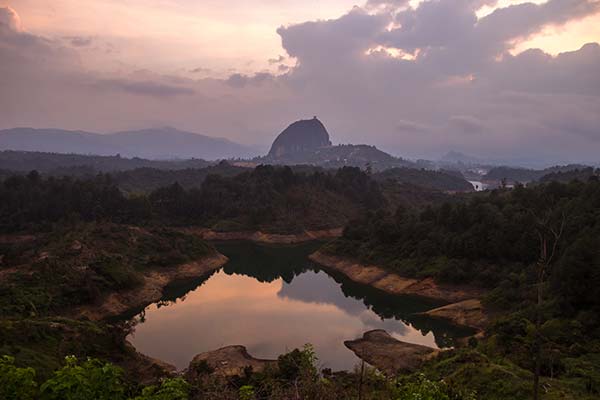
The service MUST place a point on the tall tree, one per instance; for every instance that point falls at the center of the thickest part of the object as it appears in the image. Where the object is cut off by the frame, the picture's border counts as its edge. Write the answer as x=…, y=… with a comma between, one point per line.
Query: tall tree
x=549, y=229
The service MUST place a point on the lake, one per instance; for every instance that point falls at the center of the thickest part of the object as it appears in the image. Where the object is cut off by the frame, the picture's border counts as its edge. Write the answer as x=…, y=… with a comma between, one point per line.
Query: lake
x=273, y=299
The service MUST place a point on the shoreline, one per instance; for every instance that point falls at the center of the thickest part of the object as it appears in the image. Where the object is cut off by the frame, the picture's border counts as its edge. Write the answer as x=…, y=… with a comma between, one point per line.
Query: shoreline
x=464, y=307
x=268, y=238
x=151, y=291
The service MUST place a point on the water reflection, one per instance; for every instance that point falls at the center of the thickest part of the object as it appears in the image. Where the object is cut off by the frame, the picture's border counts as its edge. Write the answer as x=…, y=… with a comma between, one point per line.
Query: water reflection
x=273, y=299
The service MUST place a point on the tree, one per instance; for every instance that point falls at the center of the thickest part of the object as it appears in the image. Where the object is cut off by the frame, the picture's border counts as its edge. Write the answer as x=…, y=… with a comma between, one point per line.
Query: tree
x=549, y=229
x=169, y=389
x=92, y=379
x=16, y=383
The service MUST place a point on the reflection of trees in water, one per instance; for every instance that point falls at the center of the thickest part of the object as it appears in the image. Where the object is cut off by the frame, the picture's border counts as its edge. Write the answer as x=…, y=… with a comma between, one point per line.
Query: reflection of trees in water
x=178, y=290
x=269, y=263
x=403, y=308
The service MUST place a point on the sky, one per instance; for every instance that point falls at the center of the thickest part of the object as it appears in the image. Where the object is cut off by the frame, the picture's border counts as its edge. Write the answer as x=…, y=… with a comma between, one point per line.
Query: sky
x=505, y=79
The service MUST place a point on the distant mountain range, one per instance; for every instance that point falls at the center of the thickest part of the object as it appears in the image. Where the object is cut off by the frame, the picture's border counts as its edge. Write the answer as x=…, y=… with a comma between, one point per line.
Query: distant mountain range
x=161, y=143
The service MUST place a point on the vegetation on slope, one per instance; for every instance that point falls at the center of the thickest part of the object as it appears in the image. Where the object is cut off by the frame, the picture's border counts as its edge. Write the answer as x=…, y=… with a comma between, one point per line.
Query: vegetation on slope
x=295, y=376
x=524, y=175
x=80, y=263
x=55, y=163
x=583, y=175
x=438, y=180
x=73, y=247
x=274, y=199
x=494, y=241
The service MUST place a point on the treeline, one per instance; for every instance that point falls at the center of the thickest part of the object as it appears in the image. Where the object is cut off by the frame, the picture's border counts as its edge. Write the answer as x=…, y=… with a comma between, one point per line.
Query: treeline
x=271, y=198
x=439, y=180
x=583, y=175
x=55, y=163
x=523, y=175
x=484, y=240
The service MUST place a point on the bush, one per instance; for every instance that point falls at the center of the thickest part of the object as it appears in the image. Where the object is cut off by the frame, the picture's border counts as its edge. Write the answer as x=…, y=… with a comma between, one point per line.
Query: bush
x=16, y=383
x=92, y=379
x=169, y=389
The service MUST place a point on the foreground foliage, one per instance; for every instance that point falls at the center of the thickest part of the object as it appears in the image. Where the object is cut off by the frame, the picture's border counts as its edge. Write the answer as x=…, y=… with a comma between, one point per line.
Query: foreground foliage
x=296, y=376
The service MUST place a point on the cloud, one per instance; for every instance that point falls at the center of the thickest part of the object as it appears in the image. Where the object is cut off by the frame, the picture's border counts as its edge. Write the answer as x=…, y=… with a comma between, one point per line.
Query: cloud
x=404, y=126
x=79, y=41
x=415, y=81
x=201, y=70
x=385, y=4
x=241, y=80
x=144, y=88
x=9, y=20
x=277, y=60
x=466, y=124
x=319, y=42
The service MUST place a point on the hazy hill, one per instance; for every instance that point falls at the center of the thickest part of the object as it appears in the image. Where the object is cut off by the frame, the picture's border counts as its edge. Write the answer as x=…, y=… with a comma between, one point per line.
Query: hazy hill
x=525, y=175
x=160, y=143
x=458, y=157
x=582, y=175
x=78, y=164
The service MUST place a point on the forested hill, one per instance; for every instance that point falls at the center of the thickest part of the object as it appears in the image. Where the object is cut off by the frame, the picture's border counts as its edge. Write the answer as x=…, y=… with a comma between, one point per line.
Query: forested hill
x=580, y=174
x=272, y=199
x=81, y=164
x=485, y=238
x=494, y=241
x=524, y=175
x=438, y=180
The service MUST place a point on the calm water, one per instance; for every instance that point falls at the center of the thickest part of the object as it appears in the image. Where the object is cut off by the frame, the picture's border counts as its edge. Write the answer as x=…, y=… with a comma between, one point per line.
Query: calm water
x=272, y=300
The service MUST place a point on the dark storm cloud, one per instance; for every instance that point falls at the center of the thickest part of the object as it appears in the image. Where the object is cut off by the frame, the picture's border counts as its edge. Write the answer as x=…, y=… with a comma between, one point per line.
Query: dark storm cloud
x=23, y=54
x=574, y=72
x=459, y=77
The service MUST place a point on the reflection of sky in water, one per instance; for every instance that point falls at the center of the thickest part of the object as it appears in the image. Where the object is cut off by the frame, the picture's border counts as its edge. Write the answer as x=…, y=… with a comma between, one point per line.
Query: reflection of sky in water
x=267, y=318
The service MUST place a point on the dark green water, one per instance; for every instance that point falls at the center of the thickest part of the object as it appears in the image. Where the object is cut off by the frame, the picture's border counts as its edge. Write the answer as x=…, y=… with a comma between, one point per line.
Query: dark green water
x=273, y=299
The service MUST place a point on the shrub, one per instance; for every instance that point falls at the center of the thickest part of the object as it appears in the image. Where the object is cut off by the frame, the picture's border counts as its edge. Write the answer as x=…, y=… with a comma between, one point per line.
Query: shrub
x=16, y=383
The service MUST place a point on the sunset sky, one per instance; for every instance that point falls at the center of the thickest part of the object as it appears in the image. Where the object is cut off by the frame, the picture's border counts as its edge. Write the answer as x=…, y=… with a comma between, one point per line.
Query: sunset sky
x=416, y=78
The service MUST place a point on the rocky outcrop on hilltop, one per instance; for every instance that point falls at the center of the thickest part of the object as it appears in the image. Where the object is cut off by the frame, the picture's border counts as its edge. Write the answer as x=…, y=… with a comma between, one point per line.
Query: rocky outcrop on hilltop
x=307, y=142
x=302, y=136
